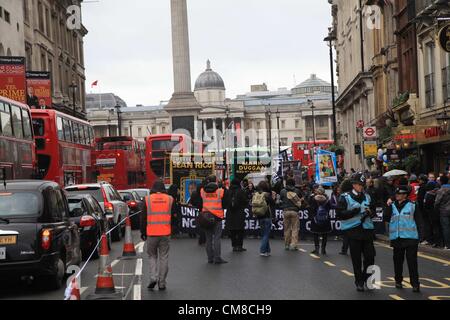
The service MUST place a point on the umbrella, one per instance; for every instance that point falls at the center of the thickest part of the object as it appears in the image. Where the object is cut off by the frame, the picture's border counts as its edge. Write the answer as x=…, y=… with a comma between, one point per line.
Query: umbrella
x=394, y=173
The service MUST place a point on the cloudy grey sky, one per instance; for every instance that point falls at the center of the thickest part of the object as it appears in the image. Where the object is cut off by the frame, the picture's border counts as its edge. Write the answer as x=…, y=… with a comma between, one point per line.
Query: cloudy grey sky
x=128, y=48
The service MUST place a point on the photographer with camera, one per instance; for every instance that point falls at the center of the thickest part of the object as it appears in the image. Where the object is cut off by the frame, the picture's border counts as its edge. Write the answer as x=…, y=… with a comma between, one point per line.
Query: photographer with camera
x=356, y=210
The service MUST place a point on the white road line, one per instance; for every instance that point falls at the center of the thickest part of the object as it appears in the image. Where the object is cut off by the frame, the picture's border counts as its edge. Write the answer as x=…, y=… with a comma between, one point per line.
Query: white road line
x=114, y=263
x=314, y=256
x=328, y=263
x=348, y=273
x=396, y=297
x=137, y=292
x=302, y=250
x=140, y=247
x=138, y=270
x=83, y=289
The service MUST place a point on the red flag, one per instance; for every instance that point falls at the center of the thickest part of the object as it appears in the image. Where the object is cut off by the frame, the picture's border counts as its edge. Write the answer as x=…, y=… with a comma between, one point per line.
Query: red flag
x=95, y=83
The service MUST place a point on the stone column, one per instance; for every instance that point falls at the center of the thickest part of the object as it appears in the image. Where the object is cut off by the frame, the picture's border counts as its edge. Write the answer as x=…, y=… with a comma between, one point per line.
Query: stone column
x=216, y=139
x=205, y=130
x=180, y=47
x=242, y=132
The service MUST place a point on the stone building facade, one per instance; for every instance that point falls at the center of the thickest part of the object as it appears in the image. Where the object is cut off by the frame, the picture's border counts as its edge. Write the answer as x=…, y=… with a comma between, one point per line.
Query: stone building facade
x=11, y=28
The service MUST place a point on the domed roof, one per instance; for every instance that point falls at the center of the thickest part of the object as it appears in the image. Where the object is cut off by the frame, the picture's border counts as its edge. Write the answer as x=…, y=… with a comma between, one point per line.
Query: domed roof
x=313, y=84
x=209, y=80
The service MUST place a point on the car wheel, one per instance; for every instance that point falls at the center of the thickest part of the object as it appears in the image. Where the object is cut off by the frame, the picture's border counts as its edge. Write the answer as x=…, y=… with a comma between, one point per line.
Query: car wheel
x=117, y=232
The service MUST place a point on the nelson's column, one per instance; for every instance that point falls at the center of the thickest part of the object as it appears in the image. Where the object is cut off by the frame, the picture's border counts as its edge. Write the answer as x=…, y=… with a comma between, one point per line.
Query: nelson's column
x=183, y=108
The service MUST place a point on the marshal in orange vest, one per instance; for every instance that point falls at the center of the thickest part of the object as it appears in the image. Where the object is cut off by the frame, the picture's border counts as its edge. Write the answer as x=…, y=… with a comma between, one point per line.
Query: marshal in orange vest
x=159, y=209
x=212, y=202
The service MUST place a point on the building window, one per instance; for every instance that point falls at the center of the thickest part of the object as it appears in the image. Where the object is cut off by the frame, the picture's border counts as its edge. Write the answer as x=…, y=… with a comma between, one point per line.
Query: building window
x=41, y=16
x=446, y=78
x=43, y=62
x=258, y=125
x=322, y=122
x=283, y=124
x=284, y=141
x=139, y=132
x=28, y=55
x=7, y=16
x=163, y=130
x=47, y=23
x=153, y=130
x=126, y=131
x=297, y=124
x=429, y=75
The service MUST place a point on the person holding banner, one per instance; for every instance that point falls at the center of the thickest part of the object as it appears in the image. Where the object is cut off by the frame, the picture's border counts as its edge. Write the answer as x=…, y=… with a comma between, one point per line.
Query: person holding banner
x=355, y=210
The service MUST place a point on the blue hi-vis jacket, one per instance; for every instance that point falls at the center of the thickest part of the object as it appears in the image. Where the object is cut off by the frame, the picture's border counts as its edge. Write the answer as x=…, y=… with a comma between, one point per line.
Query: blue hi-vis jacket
x=356, y=220
x=403, y=225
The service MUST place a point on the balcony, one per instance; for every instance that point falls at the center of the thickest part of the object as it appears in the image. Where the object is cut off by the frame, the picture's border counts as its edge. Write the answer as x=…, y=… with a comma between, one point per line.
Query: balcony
x=446, y=84
x=429, y=90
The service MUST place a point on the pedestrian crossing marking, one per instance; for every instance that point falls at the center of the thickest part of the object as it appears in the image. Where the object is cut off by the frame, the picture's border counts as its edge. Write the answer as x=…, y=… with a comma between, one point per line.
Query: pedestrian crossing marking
x=328, y=263
x=314, y=256
x=348, y=273
x=396, y=297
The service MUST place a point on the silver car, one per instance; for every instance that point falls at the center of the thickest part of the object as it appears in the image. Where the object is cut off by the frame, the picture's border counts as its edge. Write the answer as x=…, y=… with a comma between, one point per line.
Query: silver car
x=111, y=202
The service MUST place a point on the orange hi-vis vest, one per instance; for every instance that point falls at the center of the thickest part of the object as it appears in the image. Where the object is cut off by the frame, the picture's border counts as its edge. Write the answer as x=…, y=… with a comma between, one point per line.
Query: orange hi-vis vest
x=159, y=210
x=212, y=202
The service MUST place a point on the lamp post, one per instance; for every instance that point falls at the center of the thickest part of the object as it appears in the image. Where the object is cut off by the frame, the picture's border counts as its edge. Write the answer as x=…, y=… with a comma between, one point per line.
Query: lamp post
x=278, y=132
x=119, y=119
x=311, y=103
x=332, y=37
x=269, y=115
x=73, y=88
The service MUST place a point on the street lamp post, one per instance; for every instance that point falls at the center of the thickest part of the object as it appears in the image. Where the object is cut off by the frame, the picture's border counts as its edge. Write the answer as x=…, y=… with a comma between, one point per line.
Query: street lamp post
x=119, y=119
x=311, y=103
x=269, y=114
x=278, y=131
x=331, y=37
x=73, y=88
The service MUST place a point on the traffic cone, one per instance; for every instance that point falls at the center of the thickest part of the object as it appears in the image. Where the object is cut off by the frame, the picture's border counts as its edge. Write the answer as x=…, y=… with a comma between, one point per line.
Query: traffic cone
x=75, y=292
x=105, y=283
x=128, y=247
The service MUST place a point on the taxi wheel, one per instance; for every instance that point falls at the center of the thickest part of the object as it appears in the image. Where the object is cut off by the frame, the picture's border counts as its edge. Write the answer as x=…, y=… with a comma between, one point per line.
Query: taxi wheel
x=55, y=281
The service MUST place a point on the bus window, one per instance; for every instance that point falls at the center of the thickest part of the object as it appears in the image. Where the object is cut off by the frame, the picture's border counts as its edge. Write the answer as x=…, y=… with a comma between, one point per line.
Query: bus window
x=59, y=127
x=76, y=131
x=5, y=117
x=17, y=122
x=67, y=130
x=38, y=127
x=85, y=135
x=26, y=125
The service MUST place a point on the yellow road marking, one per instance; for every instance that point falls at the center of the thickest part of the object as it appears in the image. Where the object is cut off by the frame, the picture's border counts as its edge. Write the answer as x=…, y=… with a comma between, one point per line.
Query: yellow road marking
x=348, y=273
x=422, y=255
x=314, y=256
x=330, y=264
x=396, y=297
x=436, y=298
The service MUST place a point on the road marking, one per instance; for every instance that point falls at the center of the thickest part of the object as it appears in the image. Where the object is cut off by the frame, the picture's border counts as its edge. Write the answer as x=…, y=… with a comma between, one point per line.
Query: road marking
x=83, y=289
x=314, y=256
x=396, y=297
x=137, y=292
x=302, y=250
x=140, y=247
x=436, y=298
x=328, y=263
x=422, y=255
x=114, y=263
x=138, y=270
x=348, y=273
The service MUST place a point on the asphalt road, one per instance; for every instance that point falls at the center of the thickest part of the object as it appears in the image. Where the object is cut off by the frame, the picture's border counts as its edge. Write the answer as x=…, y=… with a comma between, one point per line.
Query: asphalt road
x=283, y=276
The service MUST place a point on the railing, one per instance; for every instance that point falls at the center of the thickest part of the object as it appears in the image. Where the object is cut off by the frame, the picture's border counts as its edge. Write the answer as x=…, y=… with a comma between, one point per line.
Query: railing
x=446, y=83
x=429, y=90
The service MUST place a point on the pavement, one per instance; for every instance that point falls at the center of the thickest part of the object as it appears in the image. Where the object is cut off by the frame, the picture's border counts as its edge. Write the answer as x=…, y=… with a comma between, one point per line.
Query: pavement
x=286, y=275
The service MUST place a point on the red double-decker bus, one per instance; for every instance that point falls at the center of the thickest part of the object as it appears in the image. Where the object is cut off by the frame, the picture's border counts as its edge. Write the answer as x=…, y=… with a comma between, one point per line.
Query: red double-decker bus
x=63, y=147
x=303, y=151
x=120, y=161
x=157, y=151
x=17, y=150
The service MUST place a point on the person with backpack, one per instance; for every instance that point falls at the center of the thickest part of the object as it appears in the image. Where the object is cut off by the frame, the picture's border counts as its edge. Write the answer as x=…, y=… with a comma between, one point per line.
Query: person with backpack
x=235, y=219
x=319, y=209
x=291, y=203
x=263, y=208
x=213, y=202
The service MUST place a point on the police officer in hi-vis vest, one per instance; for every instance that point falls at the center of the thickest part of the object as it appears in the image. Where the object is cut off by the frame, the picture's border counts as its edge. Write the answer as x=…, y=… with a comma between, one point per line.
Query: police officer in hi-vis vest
x=404, y=237
x=156, y=230
x=355, y=210
x=214, y=200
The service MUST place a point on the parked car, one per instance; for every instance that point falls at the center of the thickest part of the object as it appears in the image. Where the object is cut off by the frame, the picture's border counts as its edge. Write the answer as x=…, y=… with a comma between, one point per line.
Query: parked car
x=88, y=215
x=37, y=238
x=110, y=201
x=142, y=193
x=136, y=206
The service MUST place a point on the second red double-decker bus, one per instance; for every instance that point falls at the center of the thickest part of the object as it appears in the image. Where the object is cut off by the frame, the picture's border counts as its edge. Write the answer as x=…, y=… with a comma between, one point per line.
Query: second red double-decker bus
x=120, y=161
x=304, y=151
x=63, y=147
x=157, y=151
x=17, y=158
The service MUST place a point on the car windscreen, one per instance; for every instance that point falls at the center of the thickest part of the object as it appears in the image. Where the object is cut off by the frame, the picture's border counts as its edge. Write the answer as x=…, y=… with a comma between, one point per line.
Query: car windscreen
x=126, y=196
x=75, y=207
x=96, y=192
x=19, y=204
x=142, y=193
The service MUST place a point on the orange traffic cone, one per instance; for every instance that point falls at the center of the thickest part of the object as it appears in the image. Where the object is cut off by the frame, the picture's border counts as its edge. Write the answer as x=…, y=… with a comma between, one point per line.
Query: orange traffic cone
x=128, y=247
x=105, y=283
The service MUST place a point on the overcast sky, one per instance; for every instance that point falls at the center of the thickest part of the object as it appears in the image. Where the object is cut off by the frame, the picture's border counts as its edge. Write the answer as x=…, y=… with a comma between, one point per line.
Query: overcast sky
x=128, y=47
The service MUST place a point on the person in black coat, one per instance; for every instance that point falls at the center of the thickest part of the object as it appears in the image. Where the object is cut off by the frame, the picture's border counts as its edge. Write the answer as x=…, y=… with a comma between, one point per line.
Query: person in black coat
x=176, y=214
x=196, y=202
x=320, y=228
x=235, y=218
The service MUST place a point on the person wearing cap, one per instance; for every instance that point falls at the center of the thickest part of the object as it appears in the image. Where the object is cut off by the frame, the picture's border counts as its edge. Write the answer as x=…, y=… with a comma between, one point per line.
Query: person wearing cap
x=404, y=237
x=355, y=211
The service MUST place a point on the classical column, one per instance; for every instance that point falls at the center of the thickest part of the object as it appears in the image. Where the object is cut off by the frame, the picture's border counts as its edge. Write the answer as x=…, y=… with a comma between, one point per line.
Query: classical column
x=216, y=139
x=205, y=130
x=180, y=47
x=242, y=132
x=303, y=126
